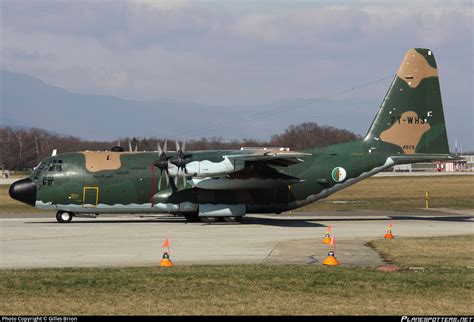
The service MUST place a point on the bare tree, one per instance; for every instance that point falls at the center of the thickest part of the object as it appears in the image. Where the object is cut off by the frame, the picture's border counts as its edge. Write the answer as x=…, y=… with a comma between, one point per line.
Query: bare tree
x=22, y=149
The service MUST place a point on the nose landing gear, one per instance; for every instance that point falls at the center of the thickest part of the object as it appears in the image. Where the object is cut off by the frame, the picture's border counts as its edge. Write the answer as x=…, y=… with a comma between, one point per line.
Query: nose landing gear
x=64, y=216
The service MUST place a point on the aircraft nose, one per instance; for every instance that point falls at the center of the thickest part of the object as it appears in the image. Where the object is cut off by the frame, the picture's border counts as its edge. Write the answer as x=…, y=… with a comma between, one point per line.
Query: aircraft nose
x=24, y=190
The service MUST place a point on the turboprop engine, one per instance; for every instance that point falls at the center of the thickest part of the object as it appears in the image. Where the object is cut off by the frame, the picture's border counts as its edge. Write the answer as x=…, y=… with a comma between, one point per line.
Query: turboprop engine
x=178, y=166
x=202, y=169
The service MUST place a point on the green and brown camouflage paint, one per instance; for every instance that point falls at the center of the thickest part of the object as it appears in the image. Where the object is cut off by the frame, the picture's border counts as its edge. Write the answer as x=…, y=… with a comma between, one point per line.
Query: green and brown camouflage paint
x=408, y=128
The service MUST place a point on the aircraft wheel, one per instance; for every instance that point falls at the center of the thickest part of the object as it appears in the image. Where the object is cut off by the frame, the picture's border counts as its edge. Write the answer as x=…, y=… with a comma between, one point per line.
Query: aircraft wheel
x=209, y=219
x=64, y=216
x=191, y=218
x=233, y=219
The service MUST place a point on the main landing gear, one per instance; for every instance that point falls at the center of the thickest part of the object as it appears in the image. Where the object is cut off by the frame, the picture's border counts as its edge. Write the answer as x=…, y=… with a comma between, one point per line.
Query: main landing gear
x=64, y=216
x=233, y=219
x=209, y=220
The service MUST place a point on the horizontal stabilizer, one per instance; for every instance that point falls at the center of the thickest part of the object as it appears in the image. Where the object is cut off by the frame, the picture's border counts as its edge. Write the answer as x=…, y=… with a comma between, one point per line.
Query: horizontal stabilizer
x=419, y=157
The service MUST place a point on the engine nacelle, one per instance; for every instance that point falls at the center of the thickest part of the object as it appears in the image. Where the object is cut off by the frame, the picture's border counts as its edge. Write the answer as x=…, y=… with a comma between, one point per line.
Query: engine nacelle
x=206, y=168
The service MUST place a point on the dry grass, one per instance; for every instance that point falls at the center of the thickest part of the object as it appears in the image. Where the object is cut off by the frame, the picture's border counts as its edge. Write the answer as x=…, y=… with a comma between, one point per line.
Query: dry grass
x=443, y=252
x=445, y=287
x=402, y=193
x=235, y=290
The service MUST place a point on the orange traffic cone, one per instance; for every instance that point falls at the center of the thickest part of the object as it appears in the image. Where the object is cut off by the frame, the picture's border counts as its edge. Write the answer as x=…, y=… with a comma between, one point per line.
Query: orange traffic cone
x=166, y=261
x=389, y=235
x=331, y=260
x=327, y=237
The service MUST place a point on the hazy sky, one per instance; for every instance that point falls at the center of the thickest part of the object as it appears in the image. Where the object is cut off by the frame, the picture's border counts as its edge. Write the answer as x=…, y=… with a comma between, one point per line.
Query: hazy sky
x=238, y=52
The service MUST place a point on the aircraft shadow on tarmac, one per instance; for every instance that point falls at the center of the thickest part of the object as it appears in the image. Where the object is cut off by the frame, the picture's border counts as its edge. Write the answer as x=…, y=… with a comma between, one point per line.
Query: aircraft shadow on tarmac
x=385, y=218
x=435, y=218
x=270, y=221
x=316, y=222
x=113, y=221
x=247, y=221
x=292, y=222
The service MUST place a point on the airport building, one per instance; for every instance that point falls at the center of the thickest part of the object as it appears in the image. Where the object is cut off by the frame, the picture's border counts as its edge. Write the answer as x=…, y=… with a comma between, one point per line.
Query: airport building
x=464, y=165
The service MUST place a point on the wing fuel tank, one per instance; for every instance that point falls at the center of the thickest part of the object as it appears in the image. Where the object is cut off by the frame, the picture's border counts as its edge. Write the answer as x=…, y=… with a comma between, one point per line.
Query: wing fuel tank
x=221, y=210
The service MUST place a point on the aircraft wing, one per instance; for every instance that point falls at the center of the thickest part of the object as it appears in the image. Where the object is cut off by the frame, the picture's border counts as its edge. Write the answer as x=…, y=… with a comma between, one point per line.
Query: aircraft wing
x=277, y=157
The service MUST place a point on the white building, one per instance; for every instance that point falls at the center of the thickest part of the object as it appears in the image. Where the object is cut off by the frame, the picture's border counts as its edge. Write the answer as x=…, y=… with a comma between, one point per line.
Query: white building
x=464, y=165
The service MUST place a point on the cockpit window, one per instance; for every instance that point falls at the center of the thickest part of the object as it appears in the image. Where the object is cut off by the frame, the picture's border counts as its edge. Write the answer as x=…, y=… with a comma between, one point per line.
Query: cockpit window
x=38, y=169
x=47, y=165
x=56, y=165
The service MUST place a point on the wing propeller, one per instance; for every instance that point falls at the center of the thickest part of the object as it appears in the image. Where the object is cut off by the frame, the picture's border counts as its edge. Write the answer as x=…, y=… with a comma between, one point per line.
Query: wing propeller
x=164, y=161
x=130, y=146
x=180, y=161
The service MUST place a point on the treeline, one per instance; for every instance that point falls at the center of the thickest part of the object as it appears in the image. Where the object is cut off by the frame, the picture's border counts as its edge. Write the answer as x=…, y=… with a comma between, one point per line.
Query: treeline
x=22, y=149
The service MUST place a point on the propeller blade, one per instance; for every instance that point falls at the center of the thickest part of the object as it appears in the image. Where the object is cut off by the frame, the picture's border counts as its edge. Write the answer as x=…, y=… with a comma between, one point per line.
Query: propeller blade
x=167, y=178
x=178, y=176
x=183, y=148
x=159, y=181
x=184, y=178
x=160, y=151
x=136, y=147
x=129, y=146
x=177, y=146
x=165, y=146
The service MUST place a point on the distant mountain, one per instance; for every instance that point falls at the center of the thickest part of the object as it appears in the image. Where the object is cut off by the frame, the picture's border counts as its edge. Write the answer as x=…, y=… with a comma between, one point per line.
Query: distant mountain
x=29, y=102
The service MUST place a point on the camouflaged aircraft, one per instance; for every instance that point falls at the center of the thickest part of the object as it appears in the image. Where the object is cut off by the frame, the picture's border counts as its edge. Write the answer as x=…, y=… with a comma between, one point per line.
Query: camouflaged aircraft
x=211, y=185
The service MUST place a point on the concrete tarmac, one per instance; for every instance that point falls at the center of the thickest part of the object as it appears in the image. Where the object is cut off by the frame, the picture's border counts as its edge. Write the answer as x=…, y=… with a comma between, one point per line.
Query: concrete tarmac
x=37, y=240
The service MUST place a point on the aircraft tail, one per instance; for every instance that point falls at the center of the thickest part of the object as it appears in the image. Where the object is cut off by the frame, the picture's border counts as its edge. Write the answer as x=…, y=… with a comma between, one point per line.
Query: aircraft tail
x=411, y=119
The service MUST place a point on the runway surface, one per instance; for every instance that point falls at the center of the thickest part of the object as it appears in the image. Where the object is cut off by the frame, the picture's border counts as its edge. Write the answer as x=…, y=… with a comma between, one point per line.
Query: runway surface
x=37, y=240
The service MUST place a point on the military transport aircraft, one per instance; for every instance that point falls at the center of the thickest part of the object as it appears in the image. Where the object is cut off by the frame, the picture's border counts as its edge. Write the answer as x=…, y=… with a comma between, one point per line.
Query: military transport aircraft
x=211, y=185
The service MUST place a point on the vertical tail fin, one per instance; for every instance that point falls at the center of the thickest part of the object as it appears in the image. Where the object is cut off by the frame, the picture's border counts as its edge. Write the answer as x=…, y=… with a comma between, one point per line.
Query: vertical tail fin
x=411, y=119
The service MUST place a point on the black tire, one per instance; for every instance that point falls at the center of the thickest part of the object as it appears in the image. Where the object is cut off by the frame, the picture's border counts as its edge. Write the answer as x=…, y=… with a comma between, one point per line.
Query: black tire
x=64, y=217
x=233, y=219
x=191, y=217
x=209, y=220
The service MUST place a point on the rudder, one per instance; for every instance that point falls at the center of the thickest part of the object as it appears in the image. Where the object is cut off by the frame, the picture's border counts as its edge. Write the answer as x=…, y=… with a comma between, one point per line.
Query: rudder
x=411, y=119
